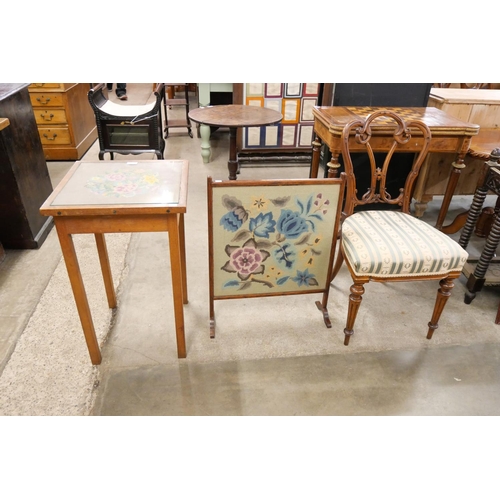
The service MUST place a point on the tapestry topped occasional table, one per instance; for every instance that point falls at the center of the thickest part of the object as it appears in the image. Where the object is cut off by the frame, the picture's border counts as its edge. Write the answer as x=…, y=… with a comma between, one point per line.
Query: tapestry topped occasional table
x=449, y=135
x=121, y=197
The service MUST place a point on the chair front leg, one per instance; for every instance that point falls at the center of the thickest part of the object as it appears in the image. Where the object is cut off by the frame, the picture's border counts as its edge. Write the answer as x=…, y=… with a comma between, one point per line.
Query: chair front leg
x=444, y=292
x=357, y=290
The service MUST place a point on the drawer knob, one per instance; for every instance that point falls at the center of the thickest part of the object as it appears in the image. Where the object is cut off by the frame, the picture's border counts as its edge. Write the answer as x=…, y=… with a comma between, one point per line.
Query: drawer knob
x=47, y=117
x=46, y=101
x=53, y=138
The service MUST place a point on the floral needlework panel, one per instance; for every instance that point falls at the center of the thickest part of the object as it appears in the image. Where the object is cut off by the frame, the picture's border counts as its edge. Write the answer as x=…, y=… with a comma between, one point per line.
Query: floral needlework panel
x=272, y=239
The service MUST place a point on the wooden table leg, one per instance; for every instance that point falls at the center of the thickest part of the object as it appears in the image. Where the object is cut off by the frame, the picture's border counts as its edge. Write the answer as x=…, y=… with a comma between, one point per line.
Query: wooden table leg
x=176, y=265
x=205, y=143
x=473, y=216
x=333, y=166
x=477, y=280
x=106, y=269
x=316, y=150
x=183, y=258
x=450, y=190
x=232, y=164
x=79, y=294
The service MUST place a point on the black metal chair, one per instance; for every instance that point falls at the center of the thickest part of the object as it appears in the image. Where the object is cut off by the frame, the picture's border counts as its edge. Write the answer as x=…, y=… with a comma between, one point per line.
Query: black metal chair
x=128, y=129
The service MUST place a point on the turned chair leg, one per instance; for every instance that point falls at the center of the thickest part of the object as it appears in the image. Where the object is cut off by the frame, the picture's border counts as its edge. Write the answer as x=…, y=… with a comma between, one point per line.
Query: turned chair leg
x=444, y=292
x=357, y=290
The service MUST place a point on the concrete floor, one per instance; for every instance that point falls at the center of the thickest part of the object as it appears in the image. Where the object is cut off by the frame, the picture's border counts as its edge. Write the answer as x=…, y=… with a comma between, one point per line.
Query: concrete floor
x=383, y=383
x=141, y=376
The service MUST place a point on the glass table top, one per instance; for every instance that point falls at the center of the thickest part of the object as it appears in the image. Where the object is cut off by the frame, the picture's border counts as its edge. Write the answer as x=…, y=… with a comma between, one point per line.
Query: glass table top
x=122, y=183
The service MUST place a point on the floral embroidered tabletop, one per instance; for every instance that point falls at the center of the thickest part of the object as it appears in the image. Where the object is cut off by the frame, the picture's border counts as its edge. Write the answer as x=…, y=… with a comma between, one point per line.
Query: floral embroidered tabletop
x=117, y=183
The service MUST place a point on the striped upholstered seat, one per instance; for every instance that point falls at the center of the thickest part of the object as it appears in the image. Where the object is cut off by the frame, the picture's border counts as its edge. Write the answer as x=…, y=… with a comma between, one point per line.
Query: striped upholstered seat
x=394, y=244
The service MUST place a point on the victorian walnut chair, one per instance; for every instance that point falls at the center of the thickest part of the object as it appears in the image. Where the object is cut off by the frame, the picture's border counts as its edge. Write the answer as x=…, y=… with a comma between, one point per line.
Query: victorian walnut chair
x=388, y=243
x=128, y=129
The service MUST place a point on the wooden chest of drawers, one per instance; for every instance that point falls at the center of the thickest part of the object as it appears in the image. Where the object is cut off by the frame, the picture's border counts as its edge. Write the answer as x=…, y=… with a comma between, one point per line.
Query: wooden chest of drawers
x=65, y=120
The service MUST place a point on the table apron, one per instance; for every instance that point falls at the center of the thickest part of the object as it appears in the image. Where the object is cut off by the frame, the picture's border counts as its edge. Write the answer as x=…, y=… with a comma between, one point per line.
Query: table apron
x=115, y=223
x=458, y=144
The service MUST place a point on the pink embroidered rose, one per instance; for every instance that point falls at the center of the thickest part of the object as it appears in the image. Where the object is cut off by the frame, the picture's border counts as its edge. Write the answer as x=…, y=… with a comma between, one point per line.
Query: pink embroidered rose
x=245, y=260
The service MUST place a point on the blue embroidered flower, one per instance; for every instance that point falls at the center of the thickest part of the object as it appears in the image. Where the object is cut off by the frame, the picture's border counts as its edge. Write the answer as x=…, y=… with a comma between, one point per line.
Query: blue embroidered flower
x=304, y=278
x=263, y=225
x=234, y=219
x=291, y=224
x=285, y=255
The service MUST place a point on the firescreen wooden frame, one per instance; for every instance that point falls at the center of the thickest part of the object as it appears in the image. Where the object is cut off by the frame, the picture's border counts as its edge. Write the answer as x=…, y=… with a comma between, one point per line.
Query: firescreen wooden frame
x=272, y=237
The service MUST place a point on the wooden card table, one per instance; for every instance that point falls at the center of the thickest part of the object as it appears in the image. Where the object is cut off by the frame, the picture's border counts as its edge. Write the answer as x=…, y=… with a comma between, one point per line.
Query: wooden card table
x=121, y=197
x=233, y=116
x=449, y=135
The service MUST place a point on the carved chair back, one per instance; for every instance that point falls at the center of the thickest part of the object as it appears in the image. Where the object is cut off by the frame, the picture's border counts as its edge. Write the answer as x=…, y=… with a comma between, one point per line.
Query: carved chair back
x=364, y=133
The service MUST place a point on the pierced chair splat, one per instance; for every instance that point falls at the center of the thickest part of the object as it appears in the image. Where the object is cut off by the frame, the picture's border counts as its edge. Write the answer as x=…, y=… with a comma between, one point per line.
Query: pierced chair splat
x=128, y=129
x=380, y=240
